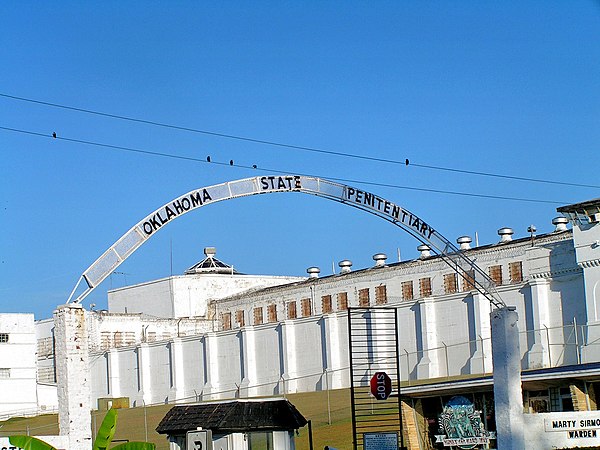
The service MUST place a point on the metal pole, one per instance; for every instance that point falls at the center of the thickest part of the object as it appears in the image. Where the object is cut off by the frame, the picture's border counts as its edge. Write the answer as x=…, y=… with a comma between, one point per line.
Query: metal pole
x=548, y=343
x=398, y=375
x=446, y=353
x=145, y=422
x=352, y=401
x=482, y=353
x=407, y=367
x=310, y=436
x=577, y=341
x=328, y=399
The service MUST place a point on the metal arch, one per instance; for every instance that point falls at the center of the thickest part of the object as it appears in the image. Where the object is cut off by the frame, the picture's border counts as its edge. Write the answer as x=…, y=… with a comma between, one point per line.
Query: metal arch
x=358, y=198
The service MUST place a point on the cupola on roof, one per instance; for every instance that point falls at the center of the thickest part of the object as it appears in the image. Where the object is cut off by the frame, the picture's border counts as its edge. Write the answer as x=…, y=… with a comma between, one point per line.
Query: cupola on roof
x=210, y=264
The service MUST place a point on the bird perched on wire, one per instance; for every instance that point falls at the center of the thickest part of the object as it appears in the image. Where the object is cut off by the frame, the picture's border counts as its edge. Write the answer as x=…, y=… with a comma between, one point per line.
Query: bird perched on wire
x=54, y=134
x=231, y=162
x=208, y=158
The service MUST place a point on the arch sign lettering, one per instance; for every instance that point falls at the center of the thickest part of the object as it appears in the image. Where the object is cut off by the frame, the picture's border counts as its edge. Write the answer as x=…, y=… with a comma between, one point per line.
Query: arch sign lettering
x=351, y=196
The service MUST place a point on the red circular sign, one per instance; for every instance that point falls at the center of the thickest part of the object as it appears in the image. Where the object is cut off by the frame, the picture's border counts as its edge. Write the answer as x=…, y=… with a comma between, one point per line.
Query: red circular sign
x=381, y=385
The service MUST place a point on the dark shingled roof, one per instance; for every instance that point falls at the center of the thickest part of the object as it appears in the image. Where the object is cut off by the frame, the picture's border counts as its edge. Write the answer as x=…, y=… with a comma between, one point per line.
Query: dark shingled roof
x=578, y=207
x=233, y=416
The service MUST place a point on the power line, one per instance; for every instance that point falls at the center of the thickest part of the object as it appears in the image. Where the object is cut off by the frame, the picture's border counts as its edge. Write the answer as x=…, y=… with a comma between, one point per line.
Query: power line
x=404, y=162
x=264, y=169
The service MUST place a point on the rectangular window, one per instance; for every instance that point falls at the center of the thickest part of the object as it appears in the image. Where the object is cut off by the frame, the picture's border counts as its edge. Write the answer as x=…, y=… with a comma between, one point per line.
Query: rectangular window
x=468, y=283
x=4, y=373
x=272, y=313
x=306, y=307
x=226, y=321
x=380, y=295
x=260, y=440
x=3, y=338
x=342, y=301
x=258, y=315
x=516, y=271
x=425, y=287
x=292, y=313
x=450, y=283
x=407, y=290
x=45, y=346
x=496, y=274
x=326, y=304
x=105, y=339
x=240, y=319
x=363, y=297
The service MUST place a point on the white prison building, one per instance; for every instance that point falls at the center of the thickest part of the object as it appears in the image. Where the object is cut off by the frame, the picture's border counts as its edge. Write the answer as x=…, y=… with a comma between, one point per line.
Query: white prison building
x=214, y=334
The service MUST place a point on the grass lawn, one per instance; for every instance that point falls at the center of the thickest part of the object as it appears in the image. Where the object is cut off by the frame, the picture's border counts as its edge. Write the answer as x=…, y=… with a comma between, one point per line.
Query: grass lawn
x=135, y=424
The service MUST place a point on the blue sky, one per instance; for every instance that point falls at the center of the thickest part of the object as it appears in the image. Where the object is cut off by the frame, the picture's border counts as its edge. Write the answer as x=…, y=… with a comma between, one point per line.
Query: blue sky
x=509, y=88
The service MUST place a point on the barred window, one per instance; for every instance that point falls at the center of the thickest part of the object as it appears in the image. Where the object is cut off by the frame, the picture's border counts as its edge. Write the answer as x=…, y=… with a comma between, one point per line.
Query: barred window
x=496, y=274
x=45, y=346
x=306, y=307
x=468, y=280
x=46, y=374
x=380, y=295
x=226, y=321
x=363, y=297
x=272, y=313
x=258, y=315
x=291, y=310
x=342, y=301
x=3, y=338
x=407, y=290
x=240, y=318
x=326, y=304
x=425, y=287
x=106, y=338
x=450, y=283
x=516, y=271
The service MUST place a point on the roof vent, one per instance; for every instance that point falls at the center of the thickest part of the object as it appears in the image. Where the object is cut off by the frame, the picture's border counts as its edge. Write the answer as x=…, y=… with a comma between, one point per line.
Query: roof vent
x=379, y=259
x=345, y=266
x=210, y=264
x=464, y=242
x=560, y=223
x=425, y=251
x=313, y=272
x=505, y=234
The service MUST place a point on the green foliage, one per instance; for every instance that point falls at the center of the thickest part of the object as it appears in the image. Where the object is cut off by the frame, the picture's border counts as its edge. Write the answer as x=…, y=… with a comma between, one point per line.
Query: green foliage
x=103, y=438
x=106, y=431
x=29, y=443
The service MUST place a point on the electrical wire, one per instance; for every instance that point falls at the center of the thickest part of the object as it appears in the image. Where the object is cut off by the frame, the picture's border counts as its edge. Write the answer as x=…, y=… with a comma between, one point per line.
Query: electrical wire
x=404, y=162
x=264, y=169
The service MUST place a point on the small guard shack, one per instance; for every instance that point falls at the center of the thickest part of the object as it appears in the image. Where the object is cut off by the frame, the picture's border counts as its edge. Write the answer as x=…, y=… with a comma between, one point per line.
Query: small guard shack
x=266, y=424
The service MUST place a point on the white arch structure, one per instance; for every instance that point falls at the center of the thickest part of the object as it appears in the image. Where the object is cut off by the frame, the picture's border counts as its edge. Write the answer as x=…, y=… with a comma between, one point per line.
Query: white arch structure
x=358, y=198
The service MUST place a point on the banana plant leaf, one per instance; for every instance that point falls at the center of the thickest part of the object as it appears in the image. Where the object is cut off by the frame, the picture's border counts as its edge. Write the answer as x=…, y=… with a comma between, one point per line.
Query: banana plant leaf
x=134, y=446
x=29, y=443
x=106, y=431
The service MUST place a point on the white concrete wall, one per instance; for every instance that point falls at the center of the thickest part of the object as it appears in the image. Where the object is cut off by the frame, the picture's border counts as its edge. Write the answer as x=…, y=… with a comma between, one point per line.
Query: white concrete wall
x=47, y=398
x=186, y=295
x=73, y=375
x=442, y=335
x=18, y=363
